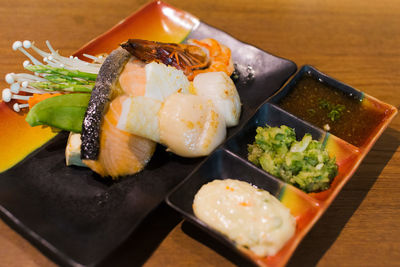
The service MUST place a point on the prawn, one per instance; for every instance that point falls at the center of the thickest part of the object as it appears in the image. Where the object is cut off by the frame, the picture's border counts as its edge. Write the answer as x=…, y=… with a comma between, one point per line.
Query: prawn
x=219, y=56
x=198, y=56
x=181, y=56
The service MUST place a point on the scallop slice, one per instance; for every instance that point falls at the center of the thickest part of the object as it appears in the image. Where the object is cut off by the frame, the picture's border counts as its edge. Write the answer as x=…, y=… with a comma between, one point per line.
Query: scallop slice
x=218, y=87
x=190, y=125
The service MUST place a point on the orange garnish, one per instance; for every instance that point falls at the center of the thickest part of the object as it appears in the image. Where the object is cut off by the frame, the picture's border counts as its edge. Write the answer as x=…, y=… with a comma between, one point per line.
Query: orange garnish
x=229, y=188
x=36, y=98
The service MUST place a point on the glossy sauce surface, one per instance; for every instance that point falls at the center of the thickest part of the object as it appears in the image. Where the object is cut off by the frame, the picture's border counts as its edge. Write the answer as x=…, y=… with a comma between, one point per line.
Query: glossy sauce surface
x=317, y=102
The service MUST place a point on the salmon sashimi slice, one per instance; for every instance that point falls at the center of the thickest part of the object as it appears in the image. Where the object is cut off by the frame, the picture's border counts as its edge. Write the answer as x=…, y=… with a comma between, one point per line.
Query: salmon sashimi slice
x=121, y=153
x=133, y=78
x=105, y=89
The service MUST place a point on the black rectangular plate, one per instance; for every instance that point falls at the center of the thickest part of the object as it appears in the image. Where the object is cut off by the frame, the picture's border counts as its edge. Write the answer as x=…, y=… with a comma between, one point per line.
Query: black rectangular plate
x=77, y=218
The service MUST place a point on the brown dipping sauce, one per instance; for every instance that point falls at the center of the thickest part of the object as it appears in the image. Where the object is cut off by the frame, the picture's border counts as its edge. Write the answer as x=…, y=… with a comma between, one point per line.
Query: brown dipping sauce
x=312, y=101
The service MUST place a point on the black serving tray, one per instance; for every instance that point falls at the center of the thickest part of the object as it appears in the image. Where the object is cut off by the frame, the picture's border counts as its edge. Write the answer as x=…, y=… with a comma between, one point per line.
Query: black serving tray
x=76, y=217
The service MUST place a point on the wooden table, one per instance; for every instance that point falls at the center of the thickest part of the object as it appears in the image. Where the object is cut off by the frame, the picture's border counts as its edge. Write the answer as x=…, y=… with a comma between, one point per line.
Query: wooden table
x=357, y=42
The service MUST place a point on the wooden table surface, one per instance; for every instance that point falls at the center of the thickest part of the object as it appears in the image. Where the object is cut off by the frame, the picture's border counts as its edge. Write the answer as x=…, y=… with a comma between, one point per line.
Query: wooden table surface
x=357, y=42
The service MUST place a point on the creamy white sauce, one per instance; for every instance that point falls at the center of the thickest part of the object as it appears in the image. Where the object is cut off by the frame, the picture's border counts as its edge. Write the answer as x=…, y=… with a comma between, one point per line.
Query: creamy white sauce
x=249, y=216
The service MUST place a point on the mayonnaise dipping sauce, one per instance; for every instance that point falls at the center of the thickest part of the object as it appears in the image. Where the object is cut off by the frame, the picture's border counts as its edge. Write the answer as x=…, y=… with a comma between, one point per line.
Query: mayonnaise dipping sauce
x=249, y=216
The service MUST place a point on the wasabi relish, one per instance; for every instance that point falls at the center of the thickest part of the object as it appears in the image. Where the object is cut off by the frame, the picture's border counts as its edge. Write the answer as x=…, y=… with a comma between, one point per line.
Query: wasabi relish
x=305, y=164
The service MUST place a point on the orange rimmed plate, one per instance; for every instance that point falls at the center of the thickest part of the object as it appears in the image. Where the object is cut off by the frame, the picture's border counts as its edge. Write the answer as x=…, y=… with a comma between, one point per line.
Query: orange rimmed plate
x=70, y=213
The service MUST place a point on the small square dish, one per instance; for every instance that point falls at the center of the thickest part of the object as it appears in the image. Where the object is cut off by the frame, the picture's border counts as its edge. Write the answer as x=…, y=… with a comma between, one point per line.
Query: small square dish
x=335, y=107
x=222, y=165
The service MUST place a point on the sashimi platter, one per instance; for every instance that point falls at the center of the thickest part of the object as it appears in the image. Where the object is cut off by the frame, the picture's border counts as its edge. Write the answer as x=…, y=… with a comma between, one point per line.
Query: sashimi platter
x=190, y=116
x=117, y=108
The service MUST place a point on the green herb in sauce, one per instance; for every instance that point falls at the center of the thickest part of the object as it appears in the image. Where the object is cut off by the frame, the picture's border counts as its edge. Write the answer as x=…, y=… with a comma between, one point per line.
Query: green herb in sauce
x=336, y=112
x=332, y=110
x=323, y=104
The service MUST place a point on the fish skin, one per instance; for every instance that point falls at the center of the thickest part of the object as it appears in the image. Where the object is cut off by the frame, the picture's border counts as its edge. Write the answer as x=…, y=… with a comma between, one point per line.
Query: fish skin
x=121, y=153
x=98, y=104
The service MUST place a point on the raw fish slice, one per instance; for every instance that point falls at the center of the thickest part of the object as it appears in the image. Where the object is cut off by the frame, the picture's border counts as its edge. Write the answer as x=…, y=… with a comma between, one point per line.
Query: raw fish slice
x=133, y=78
x=121, y=153
x=162, y=81
x=106, y=149
x=140, y=116
x=73, y=150
x=153, y=80
x=105, y=89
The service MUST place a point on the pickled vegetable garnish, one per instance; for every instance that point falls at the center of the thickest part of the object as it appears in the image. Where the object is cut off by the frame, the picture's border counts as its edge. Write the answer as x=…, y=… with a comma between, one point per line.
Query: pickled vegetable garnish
x=305, y=164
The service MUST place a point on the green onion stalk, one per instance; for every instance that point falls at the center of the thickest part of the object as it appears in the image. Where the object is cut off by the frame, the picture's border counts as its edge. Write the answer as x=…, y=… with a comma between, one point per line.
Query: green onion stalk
x=55, y=74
